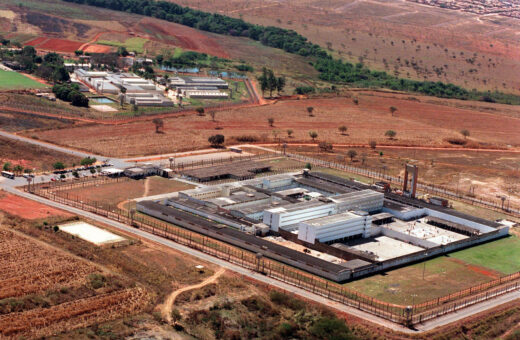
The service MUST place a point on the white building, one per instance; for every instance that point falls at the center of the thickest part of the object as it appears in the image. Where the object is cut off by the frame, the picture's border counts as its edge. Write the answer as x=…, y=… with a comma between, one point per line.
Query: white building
x=335, y=227
x=295, y=213
x=365, y=200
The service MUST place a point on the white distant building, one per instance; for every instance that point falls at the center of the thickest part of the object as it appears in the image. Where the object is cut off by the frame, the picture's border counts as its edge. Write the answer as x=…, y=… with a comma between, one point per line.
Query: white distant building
x=295, y=213
x=335, y=227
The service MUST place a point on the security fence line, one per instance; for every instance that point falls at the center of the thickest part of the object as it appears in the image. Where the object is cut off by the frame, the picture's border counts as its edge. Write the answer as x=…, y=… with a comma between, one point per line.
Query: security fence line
x=407, y=315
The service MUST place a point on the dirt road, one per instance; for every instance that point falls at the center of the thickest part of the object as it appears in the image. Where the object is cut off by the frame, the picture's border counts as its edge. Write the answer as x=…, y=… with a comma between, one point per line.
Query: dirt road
x=166, y=308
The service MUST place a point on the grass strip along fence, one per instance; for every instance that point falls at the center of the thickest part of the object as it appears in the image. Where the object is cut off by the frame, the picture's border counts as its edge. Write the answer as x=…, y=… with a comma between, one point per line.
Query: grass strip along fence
x=407, y=315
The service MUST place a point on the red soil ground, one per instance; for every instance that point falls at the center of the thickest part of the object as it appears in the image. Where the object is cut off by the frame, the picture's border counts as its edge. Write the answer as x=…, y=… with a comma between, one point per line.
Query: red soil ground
x=185, y=37
x=36, y=42
x=97, y=49
x=26, y=208
x=60, y=45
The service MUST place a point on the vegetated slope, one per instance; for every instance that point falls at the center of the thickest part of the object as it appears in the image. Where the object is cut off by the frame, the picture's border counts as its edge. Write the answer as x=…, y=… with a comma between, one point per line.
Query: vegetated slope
x=331, y=69
x=403, y=38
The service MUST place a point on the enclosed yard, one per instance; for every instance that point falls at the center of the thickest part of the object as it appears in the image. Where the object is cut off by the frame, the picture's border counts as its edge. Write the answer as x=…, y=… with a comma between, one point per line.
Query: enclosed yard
x=445, y=274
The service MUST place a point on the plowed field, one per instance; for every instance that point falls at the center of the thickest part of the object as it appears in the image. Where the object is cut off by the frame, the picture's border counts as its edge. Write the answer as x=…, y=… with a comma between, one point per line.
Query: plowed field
x=41, y=283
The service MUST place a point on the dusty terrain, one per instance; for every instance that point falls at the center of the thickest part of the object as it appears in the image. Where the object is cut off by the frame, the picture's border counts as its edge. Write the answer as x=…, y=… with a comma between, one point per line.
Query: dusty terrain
x=417, y=121
x=403, y=38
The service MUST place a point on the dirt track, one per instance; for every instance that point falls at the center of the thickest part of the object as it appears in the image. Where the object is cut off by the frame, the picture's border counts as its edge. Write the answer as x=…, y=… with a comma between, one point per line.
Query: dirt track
x=166, y=308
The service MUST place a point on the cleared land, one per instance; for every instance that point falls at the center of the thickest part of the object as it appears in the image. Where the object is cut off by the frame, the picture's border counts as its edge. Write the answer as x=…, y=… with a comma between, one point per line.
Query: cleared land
x=27, y=209
x=402, y=38
x=32, y=157
x=45, y=291
x=488, y=174
x=114, y=193
x=444, y=275
x=10, y=80
x=418, y=121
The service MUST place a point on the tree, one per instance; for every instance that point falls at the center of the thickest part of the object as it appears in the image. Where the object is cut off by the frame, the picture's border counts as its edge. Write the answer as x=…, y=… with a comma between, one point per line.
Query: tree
x=280, y=84
x=58, y=166
x=390, y=134
x=372, y=144
x=289, y=133
x=352, y=154
x=7, y=166
x=122, y=52
x=308, y=166
x=313, y=135
x=18, y=169
x=392, y=110
x=159, y=124
x=342, y=129
x=216, y=140
x=310, y=111
x=325, y=147
x=270, y=121
x=355, y=100
x=200, y=111
x=465, y=133
x=88, y=161
x=78, y=52
x=212, y=114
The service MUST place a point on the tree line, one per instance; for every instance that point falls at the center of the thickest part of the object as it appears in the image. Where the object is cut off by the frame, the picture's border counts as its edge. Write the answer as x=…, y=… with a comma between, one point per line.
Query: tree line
x=332, y=70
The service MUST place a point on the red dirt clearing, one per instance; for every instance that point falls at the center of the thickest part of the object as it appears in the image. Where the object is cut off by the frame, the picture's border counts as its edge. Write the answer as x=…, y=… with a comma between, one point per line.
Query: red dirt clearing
x=186, y=37
x=97, y=49
x=36, y=41
x=60, y=45
x=26, y=208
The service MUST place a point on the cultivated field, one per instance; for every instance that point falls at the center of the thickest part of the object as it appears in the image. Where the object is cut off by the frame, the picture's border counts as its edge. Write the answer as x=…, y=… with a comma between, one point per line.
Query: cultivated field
x=418, y=121
x=406, y=39
x=10, y=80
x=445, y=274
x=32, y=157
x=46, y=291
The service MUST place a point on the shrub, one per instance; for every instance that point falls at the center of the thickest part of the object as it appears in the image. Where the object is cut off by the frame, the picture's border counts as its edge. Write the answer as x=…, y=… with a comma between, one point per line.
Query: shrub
x=246, y=139
x=96, y=280
x=216, y=140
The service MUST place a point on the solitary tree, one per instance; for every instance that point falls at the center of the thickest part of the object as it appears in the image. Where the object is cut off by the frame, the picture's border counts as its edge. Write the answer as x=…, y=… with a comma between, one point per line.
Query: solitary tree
x=310, y=110
x=200, y=111
x=465, y=133
x=355, y=100
x=392, y=110
x=326, y=147
x=58, y=166
x=313, y=135
x=270, y=121
x=212, y=114
x=351, y=154
x=390, y=134
x=7, y=166
x=159, y=124
x=289, y=133
x=216, y=140
x=372, y=144
x=342, y=129
x=18, y=169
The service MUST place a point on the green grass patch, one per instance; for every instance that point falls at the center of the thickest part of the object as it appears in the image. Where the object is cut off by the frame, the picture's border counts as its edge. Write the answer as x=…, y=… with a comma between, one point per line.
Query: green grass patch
x=442, y=276
x=10, y=80
x=177, y=52
x=132, y=44
x=501, y=255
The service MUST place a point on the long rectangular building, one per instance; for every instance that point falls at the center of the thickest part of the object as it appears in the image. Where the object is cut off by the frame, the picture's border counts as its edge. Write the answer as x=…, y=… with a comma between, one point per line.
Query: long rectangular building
x=335, y=227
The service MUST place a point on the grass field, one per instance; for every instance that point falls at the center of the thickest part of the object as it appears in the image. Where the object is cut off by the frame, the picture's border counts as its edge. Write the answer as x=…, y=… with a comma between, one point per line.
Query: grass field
x=502, y=255
x=445, y=274
x=132, y=44
x=10, y=80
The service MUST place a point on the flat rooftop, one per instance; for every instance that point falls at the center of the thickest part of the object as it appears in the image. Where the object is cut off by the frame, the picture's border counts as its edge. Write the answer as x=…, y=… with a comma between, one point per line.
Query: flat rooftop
x=322, y=221
x=420, y=229
x=385, y=248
